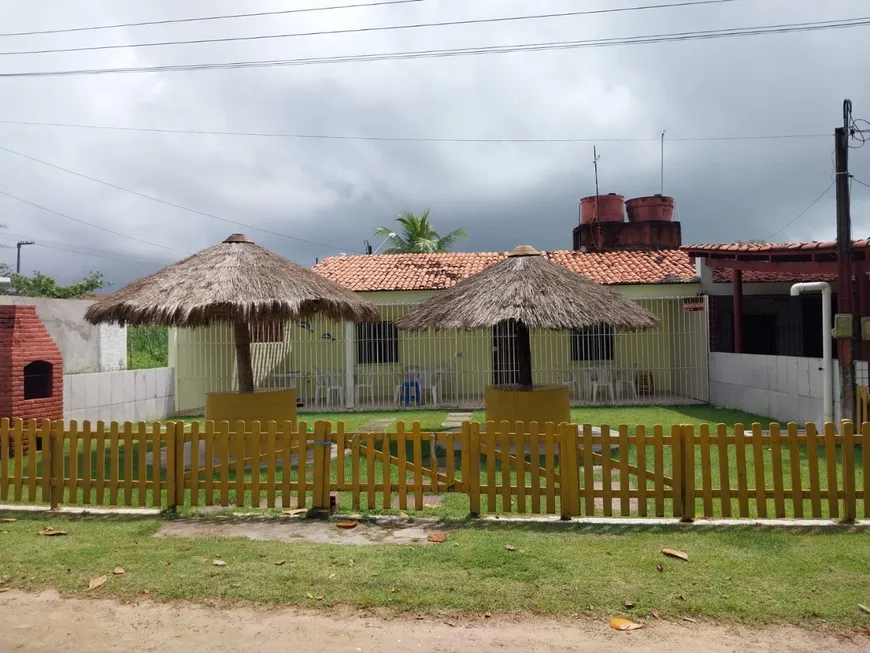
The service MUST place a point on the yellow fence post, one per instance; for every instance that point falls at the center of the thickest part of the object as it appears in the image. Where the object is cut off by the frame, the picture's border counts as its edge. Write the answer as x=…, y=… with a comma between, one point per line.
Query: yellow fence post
x=688, y=488
x=179, y=462
x=569, y=470
x=850, y=508
x=56, y=464
x=679, y=492
x=472, y=445
x=322, y=461
x=171, y=502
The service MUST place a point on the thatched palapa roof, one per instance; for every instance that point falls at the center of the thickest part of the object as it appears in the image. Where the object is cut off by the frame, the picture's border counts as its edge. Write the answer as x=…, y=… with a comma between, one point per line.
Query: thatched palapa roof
x=530, y=289
x=234, y=281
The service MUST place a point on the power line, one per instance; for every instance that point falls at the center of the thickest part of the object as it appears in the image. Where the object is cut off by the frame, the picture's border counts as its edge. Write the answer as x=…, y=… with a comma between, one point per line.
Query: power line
x=91, y=224
x=49, y=245
x=786, y=28
x=799, y=215
x=858, y=181
x=411, y=139
x=196, y=19
x=362, y=30
x=172, y=204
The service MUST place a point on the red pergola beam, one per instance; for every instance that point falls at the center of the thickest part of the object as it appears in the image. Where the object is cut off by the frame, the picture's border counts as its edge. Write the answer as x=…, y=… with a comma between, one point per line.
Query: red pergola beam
x=798, y=267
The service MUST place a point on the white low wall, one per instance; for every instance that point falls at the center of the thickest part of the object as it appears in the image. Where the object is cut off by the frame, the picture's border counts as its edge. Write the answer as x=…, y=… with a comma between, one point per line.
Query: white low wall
x=786, y=388
x=131, y=395
x=85, y=347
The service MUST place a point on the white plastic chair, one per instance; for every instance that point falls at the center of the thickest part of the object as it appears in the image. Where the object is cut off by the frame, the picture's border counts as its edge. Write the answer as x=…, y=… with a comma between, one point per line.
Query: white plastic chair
x=628, y=378
x=569, y=379
x=601, y=377
x=431, y=381
x=365, y=380
x=327, y=383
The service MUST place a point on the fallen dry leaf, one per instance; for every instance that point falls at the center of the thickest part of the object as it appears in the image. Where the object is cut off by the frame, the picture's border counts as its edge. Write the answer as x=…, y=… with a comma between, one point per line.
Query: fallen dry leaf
x=331, y=576
x=690, y=620
x=3, y=589
x=864, y=608
x=347, y=524
x=660, y=567
x=219, y=563
x=119, y=571
x=674, y=553
x=50, y=532
x=309, y=596
x=280, y=562
x=7, y=520
x=319, y=597
x=510, y=547
x=655, y=613
x=351, y=563
x=629, y=604
x=620, y=623
x=99, y=581
x=294, y=512
x=487, y=615
x=437, y=538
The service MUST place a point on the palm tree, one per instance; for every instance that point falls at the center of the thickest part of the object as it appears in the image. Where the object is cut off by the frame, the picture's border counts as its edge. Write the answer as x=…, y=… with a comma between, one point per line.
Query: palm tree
x=417, y=236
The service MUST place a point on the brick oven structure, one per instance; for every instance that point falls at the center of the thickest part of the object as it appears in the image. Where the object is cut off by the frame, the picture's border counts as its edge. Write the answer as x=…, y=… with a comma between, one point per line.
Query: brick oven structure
x=31, y=367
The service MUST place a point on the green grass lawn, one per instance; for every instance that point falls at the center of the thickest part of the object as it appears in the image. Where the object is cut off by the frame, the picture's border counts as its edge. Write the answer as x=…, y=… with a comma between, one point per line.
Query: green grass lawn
x=746, y=575
x=430, y=420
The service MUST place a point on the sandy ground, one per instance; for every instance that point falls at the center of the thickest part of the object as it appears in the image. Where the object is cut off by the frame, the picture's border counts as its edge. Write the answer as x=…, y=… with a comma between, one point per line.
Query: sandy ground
x=295, y=530
x=31, y=623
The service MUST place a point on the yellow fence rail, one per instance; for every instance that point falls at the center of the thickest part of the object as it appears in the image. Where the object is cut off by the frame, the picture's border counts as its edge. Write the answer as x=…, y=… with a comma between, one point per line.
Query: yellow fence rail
x=684, y=471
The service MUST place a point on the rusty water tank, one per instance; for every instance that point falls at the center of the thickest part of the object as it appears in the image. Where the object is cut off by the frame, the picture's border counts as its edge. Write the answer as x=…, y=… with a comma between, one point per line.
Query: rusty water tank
x=653, y=208
x=611, y=208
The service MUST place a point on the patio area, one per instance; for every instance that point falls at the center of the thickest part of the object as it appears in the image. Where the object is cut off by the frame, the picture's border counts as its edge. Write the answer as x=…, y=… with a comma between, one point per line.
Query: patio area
x=337, y=366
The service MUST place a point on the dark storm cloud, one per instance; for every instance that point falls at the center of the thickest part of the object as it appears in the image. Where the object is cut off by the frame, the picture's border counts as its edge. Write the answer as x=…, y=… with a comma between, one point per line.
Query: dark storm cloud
x=337, y=192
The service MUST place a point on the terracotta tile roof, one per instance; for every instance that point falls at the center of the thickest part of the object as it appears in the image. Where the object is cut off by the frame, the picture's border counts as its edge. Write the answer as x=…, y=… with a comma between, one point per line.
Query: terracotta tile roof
x=725, y=275
x=435, y=271
x=751, y=248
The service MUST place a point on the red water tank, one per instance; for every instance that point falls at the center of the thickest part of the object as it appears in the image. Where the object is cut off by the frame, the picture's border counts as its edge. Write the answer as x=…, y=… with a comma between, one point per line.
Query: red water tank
x=611, y=208
x=654, y=208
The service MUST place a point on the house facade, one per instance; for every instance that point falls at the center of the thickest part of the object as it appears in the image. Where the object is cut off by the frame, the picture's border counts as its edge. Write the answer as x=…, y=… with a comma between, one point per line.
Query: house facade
x=343, y=366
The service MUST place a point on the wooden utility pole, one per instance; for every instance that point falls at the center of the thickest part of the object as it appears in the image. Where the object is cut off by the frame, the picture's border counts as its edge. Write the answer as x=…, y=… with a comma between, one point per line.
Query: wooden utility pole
x=845, y=283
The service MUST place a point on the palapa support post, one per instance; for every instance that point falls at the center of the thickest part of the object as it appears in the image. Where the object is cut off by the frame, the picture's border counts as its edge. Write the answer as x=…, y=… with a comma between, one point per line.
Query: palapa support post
x=243, y=356
x=524, y=355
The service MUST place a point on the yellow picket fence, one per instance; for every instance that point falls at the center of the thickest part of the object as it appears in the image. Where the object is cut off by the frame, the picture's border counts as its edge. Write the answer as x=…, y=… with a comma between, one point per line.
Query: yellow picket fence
x=569, y=470
x=862, y=399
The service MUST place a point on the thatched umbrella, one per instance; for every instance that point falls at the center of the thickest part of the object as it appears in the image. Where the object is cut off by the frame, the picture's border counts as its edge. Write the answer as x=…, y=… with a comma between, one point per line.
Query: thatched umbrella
x=535, y=293
x=236, y=282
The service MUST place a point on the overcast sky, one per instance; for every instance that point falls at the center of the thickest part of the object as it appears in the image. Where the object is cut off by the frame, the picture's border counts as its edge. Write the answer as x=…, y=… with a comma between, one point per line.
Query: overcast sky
x=335, y=192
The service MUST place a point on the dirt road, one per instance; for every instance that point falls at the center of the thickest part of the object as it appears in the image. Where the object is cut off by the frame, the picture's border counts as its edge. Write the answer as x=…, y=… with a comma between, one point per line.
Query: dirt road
x=33, y=623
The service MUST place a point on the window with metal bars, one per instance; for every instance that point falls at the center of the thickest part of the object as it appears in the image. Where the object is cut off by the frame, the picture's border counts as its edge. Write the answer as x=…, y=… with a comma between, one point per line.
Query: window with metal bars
x=377, y=342
x=592, y=343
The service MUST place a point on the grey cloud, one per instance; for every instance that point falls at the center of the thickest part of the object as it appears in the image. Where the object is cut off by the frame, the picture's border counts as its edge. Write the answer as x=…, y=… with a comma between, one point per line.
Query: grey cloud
x=337, y=192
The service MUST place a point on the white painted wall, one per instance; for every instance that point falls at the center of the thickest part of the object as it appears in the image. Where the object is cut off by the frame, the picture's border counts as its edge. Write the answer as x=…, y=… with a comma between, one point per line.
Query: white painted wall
x=124, y=396
x=786, y=388
x=86, y=348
